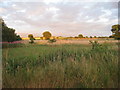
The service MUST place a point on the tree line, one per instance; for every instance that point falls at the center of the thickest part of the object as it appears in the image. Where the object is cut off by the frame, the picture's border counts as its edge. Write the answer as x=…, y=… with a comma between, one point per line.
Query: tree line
x=9, y=35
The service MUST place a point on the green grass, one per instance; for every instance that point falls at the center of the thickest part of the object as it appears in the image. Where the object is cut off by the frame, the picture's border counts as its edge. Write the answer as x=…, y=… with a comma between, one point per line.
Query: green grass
x=60, y=66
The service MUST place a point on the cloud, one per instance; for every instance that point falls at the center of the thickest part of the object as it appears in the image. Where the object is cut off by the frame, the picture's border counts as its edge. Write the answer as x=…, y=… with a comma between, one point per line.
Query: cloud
x=61, y=18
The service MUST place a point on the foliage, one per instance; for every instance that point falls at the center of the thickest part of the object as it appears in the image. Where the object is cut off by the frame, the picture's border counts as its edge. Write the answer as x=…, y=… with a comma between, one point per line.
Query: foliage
x=75, y=37
x=97, y=47
x=8, y=34
x=63, y=66
x=47, y=35
x=18, y=38
x=80, y=36
x=52, y=40
x=86, y=37
x=90, y=36
x=30, y=36
x=111, y=36
x=31, y=41
x=41, y=38
x=103, y=37
x=116, y=31
x=95, y=44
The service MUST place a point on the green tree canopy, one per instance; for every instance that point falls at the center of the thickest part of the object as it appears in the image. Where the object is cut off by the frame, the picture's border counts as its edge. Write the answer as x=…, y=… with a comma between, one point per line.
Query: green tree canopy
x=80, y=36
x=47, y=35
x=90, y=36
x=8, y=34
x=116, y=31
x=30, y=36
x=86, y=36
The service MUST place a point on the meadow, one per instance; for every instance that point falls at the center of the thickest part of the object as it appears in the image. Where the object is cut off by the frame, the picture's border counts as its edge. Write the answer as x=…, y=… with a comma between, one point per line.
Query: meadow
x=60, y=65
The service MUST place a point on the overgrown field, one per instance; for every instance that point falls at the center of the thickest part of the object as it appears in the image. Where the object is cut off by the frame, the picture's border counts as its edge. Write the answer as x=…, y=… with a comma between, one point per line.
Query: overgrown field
x=61, y=66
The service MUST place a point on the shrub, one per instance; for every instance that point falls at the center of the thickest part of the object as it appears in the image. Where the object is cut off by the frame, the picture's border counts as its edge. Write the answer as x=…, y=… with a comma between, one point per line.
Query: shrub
x=31, y=41
x=95, y=44
x=52, y=40
x=97, y=47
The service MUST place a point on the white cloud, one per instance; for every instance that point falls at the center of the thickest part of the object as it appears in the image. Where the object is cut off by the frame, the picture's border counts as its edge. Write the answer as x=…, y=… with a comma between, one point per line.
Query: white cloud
x=2, y=10
x=61, y=18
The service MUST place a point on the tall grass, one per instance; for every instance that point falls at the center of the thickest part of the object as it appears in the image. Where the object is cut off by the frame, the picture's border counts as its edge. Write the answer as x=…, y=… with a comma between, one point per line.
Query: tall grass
x=60, y=66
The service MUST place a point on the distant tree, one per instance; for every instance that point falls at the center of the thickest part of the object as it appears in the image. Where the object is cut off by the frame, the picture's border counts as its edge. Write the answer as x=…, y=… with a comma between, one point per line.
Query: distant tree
x=80, y=36
x=18, y=37
x=116, y=31
x=47, y=35
x=30, y=36
x=103, y=37
x=86, y=37
x=41, y=38
x=75, y=37
x=95, y=37
x=90, y=36
x=70, y=37
x=51, y=40
x=8, y=34
x=111, y=36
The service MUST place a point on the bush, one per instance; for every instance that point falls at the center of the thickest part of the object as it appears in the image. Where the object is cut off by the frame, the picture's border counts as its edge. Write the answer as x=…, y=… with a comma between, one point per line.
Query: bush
x=52, y=40
x=97, y=47
x=95, y=44
x=31, y=41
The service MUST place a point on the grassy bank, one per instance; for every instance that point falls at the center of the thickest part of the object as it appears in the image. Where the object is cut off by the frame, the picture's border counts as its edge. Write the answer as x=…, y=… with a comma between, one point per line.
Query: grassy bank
x=60, y=66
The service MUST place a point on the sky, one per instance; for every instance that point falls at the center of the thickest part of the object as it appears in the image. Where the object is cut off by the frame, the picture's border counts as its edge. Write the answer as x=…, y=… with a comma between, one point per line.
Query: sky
x=60, y=17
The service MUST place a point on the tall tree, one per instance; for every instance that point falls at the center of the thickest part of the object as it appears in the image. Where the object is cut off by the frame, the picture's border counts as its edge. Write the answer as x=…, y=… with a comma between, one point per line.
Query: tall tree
x=8, y=34
x=116, y=31
x=47, y=35
x=30, y=36
x=80, y=36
